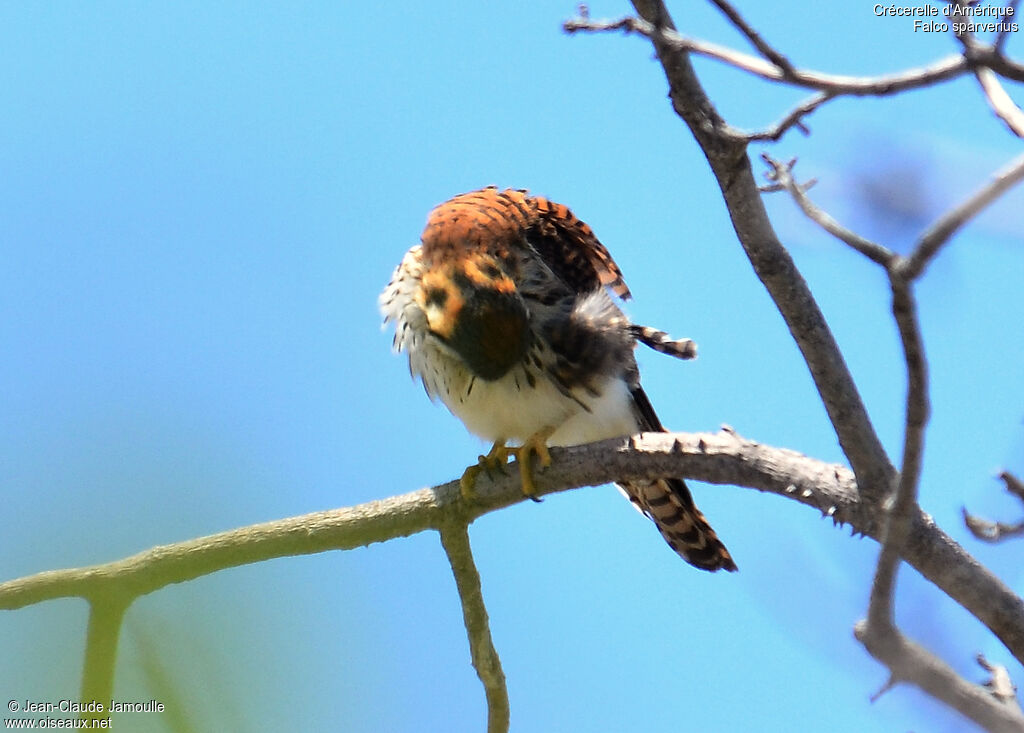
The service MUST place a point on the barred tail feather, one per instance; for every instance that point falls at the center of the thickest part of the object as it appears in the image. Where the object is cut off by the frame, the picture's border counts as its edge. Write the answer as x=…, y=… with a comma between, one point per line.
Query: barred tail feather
x=662, y=342
x=669, y=504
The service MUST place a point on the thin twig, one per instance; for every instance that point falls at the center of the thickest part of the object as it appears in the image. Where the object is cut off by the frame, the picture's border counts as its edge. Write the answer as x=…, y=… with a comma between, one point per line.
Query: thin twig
x=998, y=100
x=455, y=539
x=901, y=507
x=1013, y=484
x=942, y=70
x=988, y=531
x=942, y=230
x=795, y=118
x=754, y=37
x=1002, y=105
x=999, y=682
x=1004, y=34
x=782, y=174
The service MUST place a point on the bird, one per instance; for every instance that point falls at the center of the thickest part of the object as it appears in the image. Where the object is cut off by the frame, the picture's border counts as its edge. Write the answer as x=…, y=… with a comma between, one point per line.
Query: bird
x=505, y=310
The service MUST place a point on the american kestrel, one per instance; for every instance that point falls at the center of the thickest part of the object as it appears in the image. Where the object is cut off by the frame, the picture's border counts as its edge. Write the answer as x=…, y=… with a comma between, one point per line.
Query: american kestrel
x=505, y=313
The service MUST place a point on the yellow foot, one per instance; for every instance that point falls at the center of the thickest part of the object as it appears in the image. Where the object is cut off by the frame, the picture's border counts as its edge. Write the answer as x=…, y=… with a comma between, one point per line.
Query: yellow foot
x=495, y=459
x=538, y=446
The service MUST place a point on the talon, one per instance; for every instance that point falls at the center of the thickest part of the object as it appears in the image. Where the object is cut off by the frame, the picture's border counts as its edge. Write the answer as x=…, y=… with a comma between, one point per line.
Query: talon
x=496, y=458
x=468, y=481
x=535, y=445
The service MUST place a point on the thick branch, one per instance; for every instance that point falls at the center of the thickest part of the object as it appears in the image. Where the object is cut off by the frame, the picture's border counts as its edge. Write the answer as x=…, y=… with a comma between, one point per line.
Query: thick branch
x=908, y=661
x=727, y=155
x=455, y=538
x=720, y=458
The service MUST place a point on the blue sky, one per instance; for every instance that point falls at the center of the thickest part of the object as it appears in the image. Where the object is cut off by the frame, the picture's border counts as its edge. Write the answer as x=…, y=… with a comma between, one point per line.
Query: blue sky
x=199, y=205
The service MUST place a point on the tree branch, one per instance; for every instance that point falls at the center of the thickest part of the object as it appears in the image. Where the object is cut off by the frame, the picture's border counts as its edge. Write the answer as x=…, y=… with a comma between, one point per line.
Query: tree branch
x=942, y=70
x=455, y=539
x=726, y=151
x=106, y=613
x=908, y=661
x=993, y=532
x=999, y=682
x=794, y=118
x=899, y=517
x=1000, y=102
x=719, y=458
x=900, y=510
x=782, y=174
x=952, y=221
x=776, y=58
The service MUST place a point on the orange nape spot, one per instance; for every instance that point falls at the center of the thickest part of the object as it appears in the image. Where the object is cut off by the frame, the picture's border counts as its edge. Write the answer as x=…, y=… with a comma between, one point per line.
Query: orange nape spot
x=440, y=300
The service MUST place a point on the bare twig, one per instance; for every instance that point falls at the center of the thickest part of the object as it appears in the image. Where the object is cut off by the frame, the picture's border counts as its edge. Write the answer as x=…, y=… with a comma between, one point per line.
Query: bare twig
x=1004, y=34
x=942, y=230
x=992, y=59
x=901, y=507
x=754, y=37
x=1000, y=102
x=1013, y=484
x=455, y=538
x=999, y=683
x=723, y=458
x=782, y=173
x=910, y=662
x=905, y=660
x=795, y=118
x=942, y=70
x=988, y=531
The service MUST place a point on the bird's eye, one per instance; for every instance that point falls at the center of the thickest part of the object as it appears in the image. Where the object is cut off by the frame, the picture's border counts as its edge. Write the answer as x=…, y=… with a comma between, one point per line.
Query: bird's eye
x=436, y=297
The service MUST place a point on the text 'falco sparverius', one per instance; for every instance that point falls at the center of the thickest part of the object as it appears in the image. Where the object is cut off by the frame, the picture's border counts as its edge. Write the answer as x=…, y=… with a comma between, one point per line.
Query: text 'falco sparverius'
x=504, y=312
